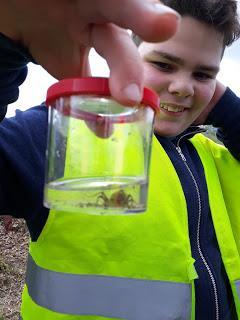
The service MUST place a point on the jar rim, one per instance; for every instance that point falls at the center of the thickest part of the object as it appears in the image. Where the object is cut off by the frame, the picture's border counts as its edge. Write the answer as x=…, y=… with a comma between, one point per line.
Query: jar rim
x=98, y=86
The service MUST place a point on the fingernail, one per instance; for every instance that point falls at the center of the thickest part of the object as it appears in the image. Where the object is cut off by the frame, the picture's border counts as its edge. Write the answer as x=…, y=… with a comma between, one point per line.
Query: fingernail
x=165, y=9
x=132, y=92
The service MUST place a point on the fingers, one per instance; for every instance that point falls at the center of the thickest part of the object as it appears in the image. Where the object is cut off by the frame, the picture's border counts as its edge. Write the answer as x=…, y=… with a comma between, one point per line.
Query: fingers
x=68, y=28
x=126, y=70
x=150, y=20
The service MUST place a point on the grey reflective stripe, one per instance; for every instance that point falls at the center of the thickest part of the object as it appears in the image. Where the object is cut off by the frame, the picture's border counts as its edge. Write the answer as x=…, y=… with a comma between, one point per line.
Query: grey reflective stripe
x=237, y=283
x=113, y=297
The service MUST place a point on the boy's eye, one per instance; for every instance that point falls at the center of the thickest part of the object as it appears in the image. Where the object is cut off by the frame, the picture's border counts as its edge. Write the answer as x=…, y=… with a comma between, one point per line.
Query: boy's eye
x=203, y=76
x=163, y=66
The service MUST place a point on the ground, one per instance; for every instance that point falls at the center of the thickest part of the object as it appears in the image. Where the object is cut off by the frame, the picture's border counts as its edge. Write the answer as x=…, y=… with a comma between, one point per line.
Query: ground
x=13, y=254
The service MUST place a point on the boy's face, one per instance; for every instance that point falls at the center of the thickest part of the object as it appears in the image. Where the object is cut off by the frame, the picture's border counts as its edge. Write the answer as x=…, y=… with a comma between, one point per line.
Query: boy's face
x=183, y=71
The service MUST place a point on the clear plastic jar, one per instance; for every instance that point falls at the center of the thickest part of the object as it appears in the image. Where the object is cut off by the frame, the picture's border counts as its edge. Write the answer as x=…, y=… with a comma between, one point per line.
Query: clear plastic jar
x=98, y=150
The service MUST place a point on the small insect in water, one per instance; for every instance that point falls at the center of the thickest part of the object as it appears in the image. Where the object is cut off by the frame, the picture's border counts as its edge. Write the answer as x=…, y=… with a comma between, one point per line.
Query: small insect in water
x=117, y=199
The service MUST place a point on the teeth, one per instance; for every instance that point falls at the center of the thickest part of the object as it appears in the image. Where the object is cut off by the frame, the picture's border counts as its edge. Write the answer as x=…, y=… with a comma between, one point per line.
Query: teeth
x=171, y=108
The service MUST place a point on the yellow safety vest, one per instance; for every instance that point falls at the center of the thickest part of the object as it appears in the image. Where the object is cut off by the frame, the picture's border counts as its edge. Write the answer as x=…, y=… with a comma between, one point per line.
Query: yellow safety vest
x=134, y=267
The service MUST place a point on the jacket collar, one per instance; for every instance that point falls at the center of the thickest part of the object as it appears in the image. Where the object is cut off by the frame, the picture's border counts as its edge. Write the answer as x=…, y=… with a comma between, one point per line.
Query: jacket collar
x=185, y=135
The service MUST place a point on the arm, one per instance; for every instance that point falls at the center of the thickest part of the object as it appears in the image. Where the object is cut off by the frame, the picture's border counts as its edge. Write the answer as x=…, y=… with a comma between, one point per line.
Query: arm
x=22, y=144
x=22, y=162
x=22, y=167
x=13, y=71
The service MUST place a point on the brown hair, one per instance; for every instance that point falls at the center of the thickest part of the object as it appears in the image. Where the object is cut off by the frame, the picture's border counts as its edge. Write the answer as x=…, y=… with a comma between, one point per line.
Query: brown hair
x=222, y=15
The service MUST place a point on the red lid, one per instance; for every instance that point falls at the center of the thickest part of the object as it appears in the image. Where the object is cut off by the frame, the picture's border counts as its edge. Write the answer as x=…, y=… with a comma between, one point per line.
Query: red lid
x=96, y=86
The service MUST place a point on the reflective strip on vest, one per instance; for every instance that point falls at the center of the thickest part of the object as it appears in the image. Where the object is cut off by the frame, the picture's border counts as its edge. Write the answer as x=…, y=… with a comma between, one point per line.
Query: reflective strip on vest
x=114, y=297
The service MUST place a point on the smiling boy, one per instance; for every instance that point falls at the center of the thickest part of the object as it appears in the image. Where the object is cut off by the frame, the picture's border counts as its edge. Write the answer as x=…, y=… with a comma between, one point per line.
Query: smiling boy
x=179, y=260
x=183, y=71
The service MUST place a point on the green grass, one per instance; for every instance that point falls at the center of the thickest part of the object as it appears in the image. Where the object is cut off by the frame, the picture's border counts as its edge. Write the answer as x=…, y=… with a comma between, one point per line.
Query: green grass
x=1, y=315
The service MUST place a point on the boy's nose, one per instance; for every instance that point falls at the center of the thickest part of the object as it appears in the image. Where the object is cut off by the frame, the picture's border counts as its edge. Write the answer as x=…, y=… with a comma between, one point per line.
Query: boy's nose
x=181, y=87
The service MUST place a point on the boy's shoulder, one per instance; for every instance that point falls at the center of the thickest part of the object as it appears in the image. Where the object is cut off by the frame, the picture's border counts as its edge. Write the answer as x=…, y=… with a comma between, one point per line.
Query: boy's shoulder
x=206, y=148
x=30, y=117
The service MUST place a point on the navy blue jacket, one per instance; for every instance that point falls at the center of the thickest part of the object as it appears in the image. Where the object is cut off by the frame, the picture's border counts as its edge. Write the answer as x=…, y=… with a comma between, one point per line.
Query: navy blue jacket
x=22, y=165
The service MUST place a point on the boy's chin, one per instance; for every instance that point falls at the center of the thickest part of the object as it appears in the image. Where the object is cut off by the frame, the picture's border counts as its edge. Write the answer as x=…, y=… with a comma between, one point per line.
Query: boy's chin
x=168, y=131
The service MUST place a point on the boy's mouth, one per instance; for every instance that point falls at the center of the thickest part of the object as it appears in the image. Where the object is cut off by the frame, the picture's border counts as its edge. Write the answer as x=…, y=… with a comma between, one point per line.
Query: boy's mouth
x=172, y=107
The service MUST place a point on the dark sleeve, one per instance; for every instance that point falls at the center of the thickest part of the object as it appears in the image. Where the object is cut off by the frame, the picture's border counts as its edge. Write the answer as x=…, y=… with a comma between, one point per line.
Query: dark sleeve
x=226, y=117
x=23, y=141
x=13, y=71
x=22, y=144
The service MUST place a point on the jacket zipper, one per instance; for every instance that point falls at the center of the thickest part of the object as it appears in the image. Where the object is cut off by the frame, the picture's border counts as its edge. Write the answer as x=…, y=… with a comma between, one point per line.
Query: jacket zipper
x=213, y=282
